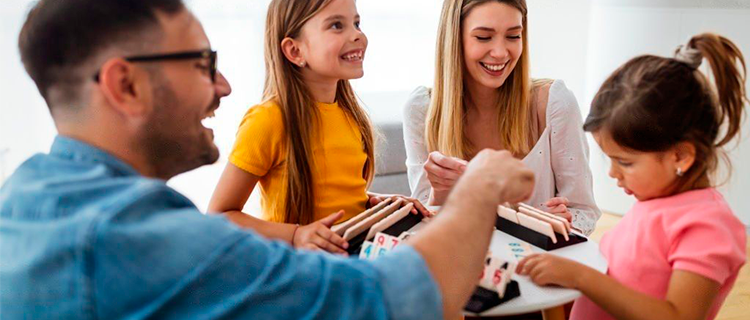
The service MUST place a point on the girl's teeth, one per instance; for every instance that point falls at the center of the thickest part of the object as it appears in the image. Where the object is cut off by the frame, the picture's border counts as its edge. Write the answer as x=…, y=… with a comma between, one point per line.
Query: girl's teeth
x=493, y=67
x=354, y=56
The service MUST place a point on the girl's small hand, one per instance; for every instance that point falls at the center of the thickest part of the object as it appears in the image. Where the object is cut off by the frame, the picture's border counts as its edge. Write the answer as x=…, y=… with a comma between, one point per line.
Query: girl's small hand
x=418, y=206
x=318, y=236
x=559, y=207
x=547, y=269
x=443, y=171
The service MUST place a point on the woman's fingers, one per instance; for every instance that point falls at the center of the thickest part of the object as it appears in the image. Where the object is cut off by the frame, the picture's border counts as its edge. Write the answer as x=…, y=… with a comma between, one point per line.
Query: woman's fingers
x=561, y=211
x=567, y=216
x=557, y=201
x=447, y=162
x=560, y=208
x=438, y=182
x=442, y=172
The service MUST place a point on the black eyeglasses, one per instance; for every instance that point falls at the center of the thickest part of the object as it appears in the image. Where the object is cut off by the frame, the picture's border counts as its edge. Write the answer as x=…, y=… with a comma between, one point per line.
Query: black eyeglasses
x=209, y=54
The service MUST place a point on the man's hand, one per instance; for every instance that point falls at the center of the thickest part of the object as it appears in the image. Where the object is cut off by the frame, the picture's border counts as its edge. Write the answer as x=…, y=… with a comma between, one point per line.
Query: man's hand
x=505, y=177
x=455, y=243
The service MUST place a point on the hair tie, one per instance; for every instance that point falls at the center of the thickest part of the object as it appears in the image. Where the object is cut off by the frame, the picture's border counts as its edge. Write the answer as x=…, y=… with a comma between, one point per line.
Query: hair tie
x=689, y=55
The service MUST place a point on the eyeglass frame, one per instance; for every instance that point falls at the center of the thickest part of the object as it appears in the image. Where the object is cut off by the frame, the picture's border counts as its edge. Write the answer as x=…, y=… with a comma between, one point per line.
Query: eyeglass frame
x=212, y=55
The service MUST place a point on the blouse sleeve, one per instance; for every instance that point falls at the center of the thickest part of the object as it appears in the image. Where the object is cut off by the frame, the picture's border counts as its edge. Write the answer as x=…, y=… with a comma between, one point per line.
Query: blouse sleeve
x=570, y=157
x=415, y=113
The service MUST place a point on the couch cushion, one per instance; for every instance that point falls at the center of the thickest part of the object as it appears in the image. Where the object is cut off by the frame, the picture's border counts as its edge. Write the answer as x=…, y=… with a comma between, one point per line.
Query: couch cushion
x=390, y=155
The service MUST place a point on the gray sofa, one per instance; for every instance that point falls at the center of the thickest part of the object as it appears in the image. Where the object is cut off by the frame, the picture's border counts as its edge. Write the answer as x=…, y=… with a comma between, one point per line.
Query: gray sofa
x=390, y=159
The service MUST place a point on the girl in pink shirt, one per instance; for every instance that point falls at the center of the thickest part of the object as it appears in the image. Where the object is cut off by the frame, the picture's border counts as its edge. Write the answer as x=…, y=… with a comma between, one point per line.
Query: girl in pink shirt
x=677, y=252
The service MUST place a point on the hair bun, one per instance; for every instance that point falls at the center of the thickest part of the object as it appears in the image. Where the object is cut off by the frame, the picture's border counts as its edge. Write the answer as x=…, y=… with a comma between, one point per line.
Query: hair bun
x=689, y=55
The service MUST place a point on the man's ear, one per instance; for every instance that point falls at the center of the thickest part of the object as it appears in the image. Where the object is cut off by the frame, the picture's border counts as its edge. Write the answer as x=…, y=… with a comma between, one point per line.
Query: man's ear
x=684, y=153
x=292, y=51
x=124, y=87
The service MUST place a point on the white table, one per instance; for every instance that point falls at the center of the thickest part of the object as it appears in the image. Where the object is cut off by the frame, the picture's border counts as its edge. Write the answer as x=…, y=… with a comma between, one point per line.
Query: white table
x=535, y=298
x=549, y=300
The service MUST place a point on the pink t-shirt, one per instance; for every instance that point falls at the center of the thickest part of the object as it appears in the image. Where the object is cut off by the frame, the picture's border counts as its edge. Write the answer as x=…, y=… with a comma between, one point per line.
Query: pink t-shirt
x=694, y=231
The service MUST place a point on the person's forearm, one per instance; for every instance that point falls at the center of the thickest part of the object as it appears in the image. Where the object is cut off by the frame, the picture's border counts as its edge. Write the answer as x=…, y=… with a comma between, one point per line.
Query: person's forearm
x=622, y=302
x=271, y=230
x=455, y=244
x=437, y=198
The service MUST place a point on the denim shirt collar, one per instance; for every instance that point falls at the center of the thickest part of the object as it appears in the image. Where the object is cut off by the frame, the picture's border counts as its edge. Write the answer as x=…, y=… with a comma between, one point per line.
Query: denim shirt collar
x=79, y=151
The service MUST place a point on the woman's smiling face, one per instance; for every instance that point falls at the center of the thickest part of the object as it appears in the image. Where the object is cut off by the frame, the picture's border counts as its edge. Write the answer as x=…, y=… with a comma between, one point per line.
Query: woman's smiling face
x=492, y=43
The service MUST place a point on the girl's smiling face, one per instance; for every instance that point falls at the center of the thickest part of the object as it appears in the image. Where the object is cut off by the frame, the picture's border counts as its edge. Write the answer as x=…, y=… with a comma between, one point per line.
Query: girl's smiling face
x=645, y=175
x=331, y=43
x=492, y=43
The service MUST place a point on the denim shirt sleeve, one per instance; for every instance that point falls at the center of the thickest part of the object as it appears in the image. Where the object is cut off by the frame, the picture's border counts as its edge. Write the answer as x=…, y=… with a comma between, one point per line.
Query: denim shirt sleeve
x=410, y=290
x=152, y=261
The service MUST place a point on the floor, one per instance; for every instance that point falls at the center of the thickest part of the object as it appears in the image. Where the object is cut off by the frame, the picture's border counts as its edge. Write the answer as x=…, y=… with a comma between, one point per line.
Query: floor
x=737, y=304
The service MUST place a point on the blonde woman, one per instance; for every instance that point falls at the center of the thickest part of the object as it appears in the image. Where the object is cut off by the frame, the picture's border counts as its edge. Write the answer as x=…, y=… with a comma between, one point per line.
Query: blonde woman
x=309, y=144
x=483, y=98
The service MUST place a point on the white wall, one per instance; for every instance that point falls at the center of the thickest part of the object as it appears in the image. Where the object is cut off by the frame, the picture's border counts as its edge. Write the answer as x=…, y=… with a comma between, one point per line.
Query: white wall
x=579, y=41
x=25, y=124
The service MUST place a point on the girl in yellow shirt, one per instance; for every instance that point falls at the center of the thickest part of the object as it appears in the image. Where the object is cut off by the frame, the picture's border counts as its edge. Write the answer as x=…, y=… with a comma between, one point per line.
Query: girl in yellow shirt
x=309, y=144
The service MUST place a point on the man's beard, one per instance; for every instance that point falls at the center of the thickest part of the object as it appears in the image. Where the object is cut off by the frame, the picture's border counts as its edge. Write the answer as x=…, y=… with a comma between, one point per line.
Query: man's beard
x=167, y=138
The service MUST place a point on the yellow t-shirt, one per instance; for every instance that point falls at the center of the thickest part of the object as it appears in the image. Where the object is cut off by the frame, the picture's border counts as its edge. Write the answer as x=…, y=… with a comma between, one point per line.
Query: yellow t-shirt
x=339, y=160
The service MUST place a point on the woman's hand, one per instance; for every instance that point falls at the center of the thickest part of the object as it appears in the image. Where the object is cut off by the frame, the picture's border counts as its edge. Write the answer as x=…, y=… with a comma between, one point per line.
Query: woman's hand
x=443, y=171
x=547, y=269
x=318, y=236
x=559, y=207
x=418, y=206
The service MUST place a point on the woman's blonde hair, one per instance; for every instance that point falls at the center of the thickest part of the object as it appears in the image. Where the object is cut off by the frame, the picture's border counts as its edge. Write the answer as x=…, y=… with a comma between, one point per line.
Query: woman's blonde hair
x=284, y=85
x=445, y=118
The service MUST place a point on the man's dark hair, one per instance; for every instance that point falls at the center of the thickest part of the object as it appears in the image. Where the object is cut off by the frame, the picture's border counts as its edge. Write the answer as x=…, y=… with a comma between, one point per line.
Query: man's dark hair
x=61, y=36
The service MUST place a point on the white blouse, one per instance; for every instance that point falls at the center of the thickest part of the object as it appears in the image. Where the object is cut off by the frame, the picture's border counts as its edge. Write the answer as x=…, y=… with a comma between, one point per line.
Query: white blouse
x=560, y=159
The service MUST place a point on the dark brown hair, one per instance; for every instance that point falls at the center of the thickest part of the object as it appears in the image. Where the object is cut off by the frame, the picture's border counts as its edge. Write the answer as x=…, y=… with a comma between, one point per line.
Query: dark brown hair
x=652, y=103
x=60, y=37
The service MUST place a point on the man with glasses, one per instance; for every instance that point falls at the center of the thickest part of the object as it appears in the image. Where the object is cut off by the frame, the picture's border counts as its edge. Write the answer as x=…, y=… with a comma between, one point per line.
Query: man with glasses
x=90, y=230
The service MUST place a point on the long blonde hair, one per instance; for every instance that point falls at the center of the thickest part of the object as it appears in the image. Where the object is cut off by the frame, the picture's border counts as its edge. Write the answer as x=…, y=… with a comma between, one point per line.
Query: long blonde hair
x=284, y=85
x=445, y=119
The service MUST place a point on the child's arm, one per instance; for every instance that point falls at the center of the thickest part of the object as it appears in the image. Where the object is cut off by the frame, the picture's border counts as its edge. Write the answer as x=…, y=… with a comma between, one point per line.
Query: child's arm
x=689, y=296
x=231, y=194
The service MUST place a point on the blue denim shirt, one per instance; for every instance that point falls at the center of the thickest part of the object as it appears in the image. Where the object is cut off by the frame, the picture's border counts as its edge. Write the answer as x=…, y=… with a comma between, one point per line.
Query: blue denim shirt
x=84, y=236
